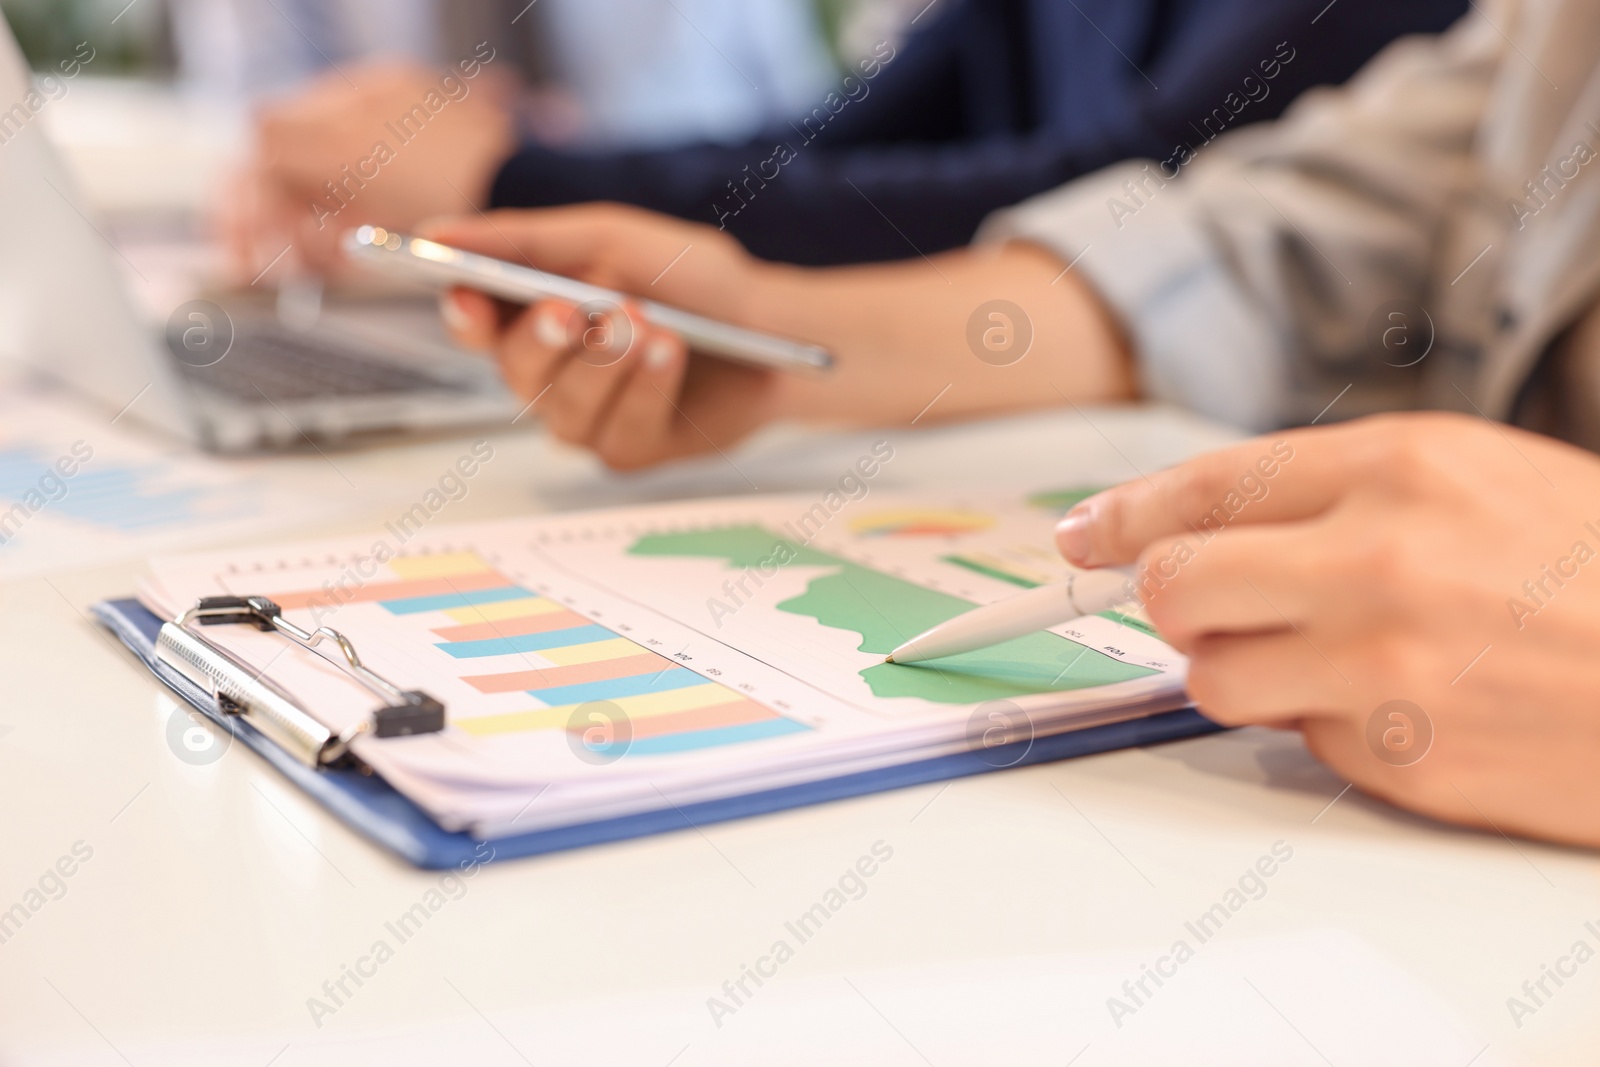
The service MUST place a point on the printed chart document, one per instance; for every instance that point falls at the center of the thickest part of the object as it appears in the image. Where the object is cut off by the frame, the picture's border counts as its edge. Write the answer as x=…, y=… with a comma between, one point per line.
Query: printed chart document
x=606, y=663
x=76, y=490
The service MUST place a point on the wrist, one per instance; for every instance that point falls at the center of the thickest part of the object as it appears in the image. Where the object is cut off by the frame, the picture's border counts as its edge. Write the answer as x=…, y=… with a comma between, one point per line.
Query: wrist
x=1108, y=373
x=775, y=298
x=766, y=295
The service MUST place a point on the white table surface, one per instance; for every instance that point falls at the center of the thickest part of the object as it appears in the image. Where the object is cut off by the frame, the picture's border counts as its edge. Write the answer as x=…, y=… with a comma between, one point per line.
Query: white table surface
x=218, y=899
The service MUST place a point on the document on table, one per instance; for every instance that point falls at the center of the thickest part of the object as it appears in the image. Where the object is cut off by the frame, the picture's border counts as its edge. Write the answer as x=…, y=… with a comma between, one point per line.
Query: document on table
x=612, y=662
x=76, y=489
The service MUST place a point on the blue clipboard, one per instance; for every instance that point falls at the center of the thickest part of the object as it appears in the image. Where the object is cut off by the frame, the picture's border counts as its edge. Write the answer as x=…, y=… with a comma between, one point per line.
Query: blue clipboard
x=374, y=809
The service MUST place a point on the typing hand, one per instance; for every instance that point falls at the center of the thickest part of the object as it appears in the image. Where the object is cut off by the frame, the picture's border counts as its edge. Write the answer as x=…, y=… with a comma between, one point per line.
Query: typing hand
x=1315, y=576
x=601, y=377
x=400, y=144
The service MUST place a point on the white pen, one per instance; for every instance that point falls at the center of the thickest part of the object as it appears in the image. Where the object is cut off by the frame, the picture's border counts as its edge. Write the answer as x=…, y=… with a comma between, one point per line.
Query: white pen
x=1086, y=593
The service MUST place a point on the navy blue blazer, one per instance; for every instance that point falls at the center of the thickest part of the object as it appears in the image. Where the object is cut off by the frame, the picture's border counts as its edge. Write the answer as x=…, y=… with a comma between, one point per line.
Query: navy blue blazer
x=987, y=104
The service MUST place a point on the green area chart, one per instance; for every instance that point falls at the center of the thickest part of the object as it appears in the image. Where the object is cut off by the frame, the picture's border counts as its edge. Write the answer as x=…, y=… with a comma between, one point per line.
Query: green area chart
x=886, y=610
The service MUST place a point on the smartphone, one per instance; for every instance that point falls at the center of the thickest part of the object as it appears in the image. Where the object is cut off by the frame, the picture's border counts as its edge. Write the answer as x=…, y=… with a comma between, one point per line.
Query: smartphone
x=419, y=259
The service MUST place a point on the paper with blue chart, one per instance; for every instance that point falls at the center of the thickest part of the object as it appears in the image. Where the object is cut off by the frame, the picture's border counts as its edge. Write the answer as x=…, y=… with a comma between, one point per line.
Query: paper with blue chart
x=76, y=489
x=613, y=662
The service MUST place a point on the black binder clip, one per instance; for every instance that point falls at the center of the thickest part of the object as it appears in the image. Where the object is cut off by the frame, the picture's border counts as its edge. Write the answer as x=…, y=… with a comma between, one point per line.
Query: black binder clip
x=240, y=691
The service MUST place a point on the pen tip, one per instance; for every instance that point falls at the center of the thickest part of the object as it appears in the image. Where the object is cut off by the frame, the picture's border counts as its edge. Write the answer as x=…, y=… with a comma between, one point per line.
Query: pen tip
x=888, y=659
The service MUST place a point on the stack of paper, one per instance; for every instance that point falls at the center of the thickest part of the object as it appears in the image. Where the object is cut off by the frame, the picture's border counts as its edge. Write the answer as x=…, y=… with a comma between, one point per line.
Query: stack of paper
x=621, y=661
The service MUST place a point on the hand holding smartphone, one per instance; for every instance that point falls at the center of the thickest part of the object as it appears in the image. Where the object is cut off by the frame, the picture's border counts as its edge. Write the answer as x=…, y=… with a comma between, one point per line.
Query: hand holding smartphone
x=419, y=259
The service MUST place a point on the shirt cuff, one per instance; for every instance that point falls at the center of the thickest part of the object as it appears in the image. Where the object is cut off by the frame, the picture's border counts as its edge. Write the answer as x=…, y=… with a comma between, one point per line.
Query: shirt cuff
x=1140, y=240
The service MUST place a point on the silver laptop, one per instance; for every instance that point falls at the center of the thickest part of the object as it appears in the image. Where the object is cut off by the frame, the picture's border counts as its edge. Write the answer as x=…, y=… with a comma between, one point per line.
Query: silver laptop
x=231, y=378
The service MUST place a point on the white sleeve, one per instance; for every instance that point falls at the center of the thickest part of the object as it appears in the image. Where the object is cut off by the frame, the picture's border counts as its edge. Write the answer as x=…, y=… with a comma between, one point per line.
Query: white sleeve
x=1246, y=282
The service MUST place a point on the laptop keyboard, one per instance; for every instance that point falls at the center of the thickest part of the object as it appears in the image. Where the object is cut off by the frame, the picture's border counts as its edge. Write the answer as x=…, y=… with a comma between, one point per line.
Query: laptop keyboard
x=284, y=364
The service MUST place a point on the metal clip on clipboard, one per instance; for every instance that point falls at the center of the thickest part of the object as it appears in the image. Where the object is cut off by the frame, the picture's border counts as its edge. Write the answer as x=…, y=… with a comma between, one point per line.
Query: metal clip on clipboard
x=239, y=690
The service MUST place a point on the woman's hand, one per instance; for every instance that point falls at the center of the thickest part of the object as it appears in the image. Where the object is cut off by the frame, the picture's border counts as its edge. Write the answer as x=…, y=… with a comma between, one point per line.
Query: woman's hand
x=600, y=376
x=965, y=333
x=1316, y=576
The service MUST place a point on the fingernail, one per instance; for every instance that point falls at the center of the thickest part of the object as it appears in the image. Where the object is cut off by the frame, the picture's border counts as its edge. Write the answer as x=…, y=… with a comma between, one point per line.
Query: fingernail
x=454, y=315
x=659, y=354
x=549, y=330
x=1072, y=535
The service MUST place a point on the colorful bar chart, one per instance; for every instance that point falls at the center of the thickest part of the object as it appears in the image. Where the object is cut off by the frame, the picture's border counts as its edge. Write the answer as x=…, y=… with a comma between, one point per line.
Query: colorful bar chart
x=115, y=496
x=472, y=612
x=920, y=522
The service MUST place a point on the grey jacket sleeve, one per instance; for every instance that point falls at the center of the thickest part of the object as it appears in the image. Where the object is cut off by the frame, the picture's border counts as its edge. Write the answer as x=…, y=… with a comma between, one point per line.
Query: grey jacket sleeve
x=1246, y=269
